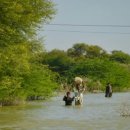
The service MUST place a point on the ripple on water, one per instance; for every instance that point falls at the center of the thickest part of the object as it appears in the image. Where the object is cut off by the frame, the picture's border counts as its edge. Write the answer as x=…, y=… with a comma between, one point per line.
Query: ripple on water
x=97, y=113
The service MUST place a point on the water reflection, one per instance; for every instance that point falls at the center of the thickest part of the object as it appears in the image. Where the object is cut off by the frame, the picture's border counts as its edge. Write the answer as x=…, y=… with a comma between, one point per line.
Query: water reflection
x=97, y=113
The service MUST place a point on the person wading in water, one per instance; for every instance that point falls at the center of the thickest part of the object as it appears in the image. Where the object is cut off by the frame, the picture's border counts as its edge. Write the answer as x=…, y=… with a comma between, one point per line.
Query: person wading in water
x=78, y=90
x=68, y=99
x=108, y=92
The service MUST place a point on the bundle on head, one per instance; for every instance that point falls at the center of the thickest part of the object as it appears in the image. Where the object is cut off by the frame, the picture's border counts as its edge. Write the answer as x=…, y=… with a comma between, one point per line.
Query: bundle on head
x=78, y=82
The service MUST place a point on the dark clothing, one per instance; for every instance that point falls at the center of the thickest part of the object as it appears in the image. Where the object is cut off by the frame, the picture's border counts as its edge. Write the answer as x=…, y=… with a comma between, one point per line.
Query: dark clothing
x=108, y=92
x=68, y=100
x=108, y=95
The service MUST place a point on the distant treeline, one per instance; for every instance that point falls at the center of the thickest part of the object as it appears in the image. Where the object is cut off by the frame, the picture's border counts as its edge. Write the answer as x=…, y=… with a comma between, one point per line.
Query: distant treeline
x=94, y=64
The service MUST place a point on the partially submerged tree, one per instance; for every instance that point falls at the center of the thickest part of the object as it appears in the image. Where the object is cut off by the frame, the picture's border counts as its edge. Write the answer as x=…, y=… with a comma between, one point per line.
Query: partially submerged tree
x=19, y=21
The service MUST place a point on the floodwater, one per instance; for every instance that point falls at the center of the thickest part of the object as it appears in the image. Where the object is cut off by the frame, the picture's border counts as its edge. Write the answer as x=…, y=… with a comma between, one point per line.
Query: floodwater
x=97, y=113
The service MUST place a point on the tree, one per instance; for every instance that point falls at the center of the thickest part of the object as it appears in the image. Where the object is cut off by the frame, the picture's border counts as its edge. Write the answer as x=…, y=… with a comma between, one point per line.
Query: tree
x=104, y=71
x=93, y=51
x=19, y=19
x=78, y=49
x=58, y=61
x=120, y=56
x=19, y=48
x=39, y=82
x=85, y=50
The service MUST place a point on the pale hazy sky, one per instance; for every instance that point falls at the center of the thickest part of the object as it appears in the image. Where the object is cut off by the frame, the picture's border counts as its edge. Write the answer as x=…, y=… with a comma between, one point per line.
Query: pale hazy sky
x=89, y=12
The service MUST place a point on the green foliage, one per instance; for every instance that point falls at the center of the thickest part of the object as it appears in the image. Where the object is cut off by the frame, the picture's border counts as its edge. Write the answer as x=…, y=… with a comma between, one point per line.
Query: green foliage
x=40, y=82
x=14, y=60
x=25, y=66
x=92, y=62
x=58, y=61
x=14, y=64
x=93, y=85
x=120, y=57
x=19, y=19
x=93, y=51
x=10, y=89
x=21, y=72
x=77, y=50
x=22, y=76
x=104, y=71
x=85, y=50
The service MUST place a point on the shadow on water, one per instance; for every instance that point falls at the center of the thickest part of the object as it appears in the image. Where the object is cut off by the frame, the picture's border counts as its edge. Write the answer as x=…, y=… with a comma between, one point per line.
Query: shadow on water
x=97, y=113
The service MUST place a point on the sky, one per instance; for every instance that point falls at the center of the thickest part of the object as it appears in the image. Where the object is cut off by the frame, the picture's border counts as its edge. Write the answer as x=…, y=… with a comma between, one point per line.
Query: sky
x=79, y=15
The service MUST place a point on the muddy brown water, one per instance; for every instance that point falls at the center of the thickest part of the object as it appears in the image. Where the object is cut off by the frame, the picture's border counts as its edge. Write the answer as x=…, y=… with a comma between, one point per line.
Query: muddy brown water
x=97, y=113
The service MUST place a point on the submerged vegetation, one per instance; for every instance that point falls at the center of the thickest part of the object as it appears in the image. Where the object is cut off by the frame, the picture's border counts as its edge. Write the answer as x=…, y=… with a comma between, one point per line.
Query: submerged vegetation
x=28, y=72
